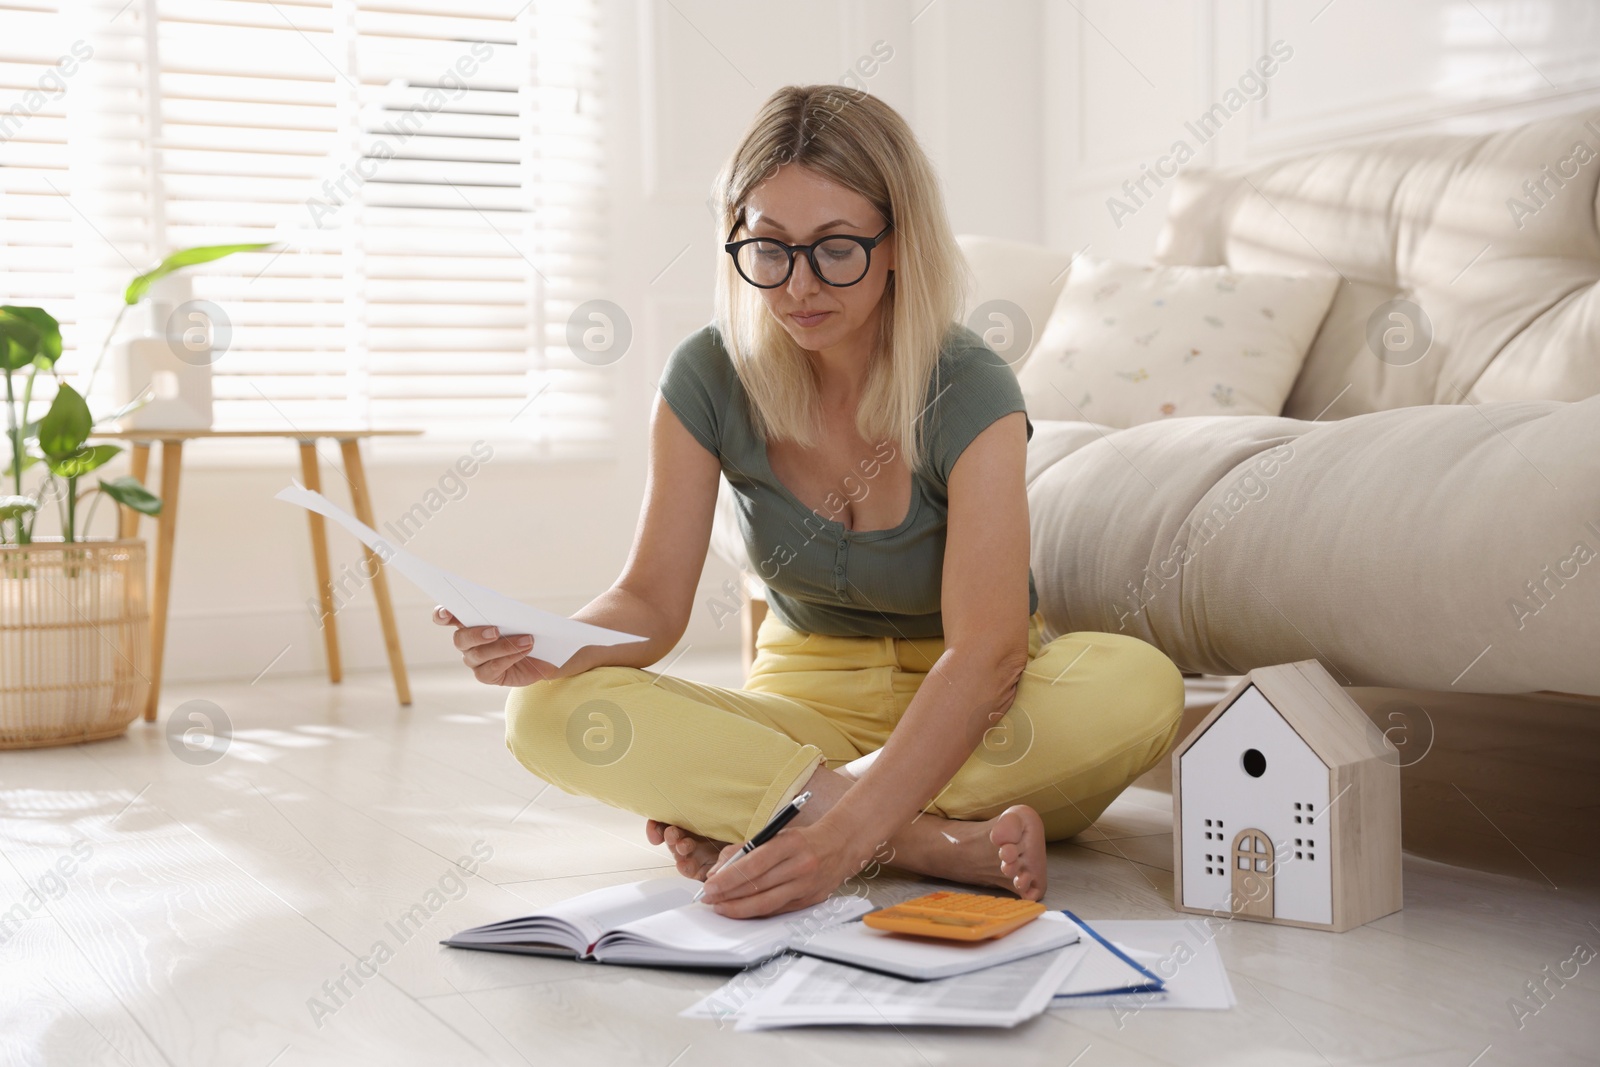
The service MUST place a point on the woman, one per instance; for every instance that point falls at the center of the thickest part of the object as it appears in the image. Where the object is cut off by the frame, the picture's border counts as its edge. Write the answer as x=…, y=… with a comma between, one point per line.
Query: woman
x=876, y=449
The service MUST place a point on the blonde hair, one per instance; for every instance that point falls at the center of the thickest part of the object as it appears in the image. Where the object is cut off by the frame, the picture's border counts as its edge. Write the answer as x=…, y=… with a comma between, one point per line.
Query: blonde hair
x=861, y=143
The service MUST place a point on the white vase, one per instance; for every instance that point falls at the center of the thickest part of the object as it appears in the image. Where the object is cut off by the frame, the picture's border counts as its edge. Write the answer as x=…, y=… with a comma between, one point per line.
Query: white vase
x=169, y=363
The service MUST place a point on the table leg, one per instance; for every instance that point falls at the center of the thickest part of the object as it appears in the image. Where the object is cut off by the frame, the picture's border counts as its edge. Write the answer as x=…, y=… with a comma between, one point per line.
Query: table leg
x=127, y=518
x=350, y=448
x=166, y=529
x=311, y=477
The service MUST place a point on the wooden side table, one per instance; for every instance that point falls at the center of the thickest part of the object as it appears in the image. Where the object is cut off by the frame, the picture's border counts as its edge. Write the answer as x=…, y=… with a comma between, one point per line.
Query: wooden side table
x=172, y=442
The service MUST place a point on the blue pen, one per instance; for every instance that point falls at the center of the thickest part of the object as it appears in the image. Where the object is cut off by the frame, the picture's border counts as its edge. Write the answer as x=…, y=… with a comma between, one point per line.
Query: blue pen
x=768, y=832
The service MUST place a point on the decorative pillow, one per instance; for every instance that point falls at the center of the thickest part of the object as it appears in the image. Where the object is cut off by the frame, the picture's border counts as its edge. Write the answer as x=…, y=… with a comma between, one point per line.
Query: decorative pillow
x=1015, y=286
x=1128, y=343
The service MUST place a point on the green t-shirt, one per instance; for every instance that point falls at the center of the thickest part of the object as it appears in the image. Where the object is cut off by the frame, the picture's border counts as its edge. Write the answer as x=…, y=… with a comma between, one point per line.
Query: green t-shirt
x=821, y=577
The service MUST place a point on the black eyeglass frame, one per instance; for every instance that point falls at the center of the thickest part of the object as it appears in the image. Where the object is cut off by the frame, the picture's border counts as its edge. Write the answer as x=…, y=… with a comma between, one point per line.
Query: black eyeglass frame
x=867, y=244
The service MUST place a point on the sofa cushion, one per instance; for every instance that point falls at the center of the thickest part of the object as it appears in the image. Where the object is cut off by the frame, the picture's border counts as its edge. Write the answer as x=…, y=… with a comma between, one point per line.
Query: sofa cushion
x=1437, y=547
x=1013, y=287
x=1129, y=343
x=1492, y=236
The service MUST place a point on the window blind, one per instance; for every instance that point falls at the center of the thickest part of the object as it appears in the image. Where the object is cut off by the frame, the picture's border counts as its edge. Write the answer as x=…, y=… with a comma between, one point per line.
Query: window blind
x=74, y=219
x=35, y=223
x=433, y=175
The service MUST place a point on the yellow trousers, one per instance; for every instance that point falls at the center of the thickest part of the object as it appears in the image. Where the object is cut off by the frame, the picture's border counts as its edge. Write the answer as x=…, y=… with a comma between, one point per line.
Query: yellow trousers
x=1093, y=711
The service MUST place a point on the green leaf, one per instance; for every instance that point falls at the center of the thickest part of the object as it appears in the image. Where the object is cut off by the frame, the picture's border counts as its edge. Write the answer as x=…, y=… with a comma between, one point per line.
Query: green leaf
x=19, y=340
x=83, y=460
x=48, y=348
x=12, y=506
x=66, y=425
x=188, y=257
x=127, y=491
x=28, y=460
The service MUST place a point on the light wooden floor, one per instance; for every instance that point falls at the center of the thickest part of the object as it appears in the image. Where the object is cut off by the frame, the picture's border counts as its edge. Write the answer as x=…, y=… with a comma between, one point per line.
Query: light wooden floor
x=207, y=906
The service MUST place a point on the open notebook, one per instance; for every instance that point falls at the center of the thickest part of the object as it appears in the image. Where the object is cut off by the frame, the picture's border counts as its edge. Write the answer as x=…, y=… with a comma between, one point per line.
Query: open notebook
x=654, y=922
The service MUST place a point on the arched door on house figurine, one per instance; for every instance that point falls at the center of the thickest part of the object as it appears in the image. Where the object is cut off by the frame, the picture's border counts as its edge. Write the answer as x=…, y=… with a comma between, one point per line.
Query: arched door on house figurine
x=1252, y=869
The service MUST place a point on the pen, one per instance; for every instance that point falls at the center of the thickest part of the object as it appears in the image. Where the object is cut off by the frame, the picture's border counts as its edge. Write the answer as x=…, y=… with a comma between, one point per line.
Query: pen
x=768, y=832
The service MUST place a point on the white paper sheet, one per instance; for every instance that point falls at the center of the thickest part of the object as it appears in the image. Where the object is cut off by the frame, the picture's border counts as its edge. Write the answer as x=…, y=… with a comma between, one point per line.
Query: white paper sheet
x=1104, y=972
x=1182, y=953
x=806, y=991
x=555, y=637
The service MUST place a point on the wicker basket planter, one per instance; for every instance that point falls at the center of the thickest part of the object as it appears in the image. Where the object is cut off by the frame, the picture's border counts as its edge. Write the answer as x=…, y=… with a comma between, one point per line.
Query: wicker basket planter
x=74, y=641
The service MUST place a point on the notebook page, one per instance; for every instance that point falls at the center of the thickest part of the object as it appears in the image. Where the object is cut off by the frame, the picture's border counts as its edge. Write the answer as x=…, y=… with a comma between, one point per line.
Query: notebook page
x=696, y=929
x=589, y=915
x=619, y=905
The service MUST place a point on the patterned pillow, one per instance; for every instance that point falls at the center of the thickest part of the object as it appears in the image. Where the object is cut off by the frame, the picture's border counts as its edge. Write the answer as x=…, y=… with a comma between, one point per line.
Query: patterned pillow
x=1128, y=343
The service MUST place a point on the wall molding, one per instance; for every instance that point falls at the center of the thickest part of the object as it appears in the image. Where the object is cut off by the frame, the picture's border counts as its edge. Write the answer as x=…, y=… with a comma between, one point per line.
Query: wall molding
x=1355, y=126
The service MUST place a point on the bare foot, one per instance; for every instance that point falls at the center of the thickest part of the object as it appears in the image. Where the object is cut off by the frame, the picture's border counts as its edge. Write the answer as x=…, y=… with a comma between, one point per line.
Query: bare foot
x=1006, y=852
x=1018, y=835
x=693, y=853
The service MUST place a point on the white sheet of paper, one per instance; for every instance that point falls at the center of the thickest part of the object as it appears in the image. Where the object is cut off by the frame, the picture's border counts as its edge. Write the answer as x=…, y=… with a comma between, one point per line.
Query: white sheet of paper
x=807, y=991
x=1183, y=953
x=819, y=992
x=555, y=637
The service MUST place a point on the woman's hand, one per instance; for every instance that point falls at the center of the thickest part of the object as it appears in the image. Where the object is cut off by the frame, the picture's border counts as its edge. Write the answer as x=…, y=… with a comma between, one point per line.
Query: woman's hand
x=799, y=867
x=497, y=660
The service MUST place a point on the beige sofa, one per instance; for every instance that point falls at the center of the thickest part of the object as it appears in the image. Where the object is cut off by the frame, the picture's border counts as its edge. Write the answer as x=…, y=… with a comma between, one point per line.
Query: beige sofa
x=1430, y=527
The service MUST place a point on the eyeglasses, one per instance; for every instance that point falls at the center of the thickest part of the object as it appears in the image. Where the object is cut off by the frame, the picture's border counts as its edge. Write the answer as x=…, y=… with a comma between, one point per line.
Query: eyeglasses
x=838, y=259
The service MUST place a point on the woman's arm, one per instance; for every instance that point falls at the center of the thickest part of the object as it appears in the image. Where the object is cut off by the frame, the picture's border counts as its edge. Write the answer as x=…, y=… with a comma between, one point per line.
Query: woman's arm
x=985, y=611
x=655, y=592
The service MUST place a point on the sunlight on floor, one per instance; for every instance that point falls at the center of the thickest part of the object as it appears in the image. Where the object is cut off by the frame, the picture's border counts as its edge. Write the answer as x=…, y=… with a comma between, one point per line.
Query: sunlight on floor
x=242, y=907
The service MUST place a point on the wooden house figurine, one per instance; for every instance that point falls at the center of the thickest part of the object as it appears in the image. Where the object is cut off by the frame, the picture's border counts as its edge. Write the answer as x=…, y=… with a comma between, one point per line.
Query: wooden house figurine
x=1287, y=806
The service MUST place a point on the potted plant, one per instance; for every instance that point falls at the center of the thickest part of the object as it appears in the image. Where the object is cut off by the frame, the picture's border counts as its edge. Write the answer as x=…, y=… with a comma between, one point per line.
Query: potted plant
x=74, y=645
x=74, y=619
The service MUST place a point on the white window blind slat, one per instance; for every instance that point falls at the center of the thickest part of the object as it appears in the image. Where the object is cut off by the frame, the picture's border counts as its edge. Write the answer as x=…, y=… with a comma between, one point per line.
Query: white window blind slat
x=75, y=219
x=433, y=173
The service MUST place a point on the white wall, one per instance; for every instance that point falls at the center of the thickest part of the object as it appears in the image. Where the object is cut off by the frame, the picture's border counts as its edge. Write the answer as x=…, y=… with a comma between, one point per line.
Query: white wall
x=1034, y=115
x=1124, y=80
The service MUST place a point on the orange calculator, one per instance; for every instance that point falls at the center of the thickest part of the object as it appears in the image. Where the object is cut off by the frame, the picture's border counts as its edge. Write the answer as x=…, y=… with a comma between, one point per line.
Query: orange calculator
x=956, y=916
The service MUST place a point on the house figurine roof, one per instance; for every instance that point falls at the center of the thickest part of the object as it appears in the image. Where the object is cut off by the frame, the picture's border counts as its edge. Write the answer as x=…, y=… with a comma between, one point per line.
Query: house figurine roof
x=1316, y=707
